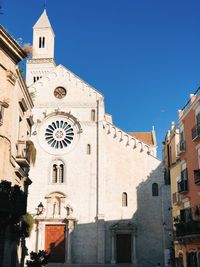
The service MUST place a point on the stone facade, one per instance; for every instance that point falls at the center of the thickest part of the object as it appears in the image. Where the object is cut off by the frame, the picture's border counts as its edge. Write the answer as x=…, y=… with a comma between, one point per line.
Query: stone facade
x=15, y=130
x=92, y=177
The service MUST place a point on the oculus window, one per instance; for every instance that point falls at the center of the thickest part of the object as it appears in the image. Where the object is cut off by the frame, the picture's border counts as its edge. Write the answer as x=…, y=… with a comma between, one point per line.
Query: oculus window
x=59, y=134
x=60, y=92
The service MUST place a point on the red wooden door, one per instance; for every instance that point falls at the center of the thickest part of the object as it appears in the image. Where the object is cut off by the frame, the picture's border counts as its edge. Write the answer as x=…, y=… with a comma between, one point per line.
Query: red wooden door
x=55, y=242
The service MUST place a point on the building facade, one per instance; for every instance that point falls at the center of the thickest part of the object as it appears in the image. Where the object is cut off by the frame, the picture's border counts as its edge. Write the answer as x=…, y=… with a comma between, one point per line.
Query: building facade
x=101, y=187
x=181, y=158
x=15, y=130
x=172, y=172
x=187, y=224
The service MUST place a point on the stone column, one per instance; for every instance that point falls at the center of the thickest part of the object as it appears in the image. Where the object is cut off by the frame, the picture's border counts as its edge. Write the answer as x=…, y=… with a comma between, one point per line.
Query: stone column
x=134, y=259
x=100, y=239
x=70, y=228
x=36, y=235
x=113, y=261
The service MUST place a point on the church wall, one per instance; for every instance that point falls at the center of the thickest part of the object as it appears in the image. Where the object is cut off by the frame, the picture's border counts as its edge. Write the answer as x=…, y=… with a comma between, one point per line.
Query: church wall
x=91, y=194
x=32, y=70
x=118, y=169
x=123, y=173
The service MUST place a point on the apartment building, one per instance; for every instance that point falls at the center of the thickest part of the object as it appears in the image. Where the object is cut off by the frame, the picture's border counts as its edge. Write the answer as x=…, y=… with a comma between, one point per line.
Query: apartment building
x=187, y=224
x=171, y=163
x=181, y=156
x=15, y=149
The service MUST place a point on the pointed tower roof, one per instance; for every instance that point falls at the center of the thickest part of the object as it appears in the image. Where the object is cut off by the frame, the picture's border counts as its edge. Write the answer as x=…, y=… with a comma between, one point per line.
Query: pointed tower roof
x=43, y=22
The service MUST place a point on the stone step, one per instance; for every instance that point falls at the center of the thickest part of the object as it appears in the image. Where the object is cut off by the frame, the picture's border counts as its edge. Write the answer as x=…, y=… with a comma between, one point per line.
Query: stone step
x=92, y=265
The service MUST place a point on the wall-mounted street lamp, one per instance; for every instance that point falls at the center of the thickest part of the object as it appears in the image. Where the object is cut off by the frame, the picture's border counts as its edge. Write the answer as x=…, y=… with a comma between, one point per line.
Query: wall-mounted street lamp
x=40, y=208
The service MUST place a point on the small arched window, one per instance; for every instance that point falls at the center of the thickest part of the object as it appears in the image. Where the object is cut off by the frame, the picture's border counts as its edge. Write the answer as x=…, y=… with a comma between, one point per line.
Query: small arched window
x=155, y=190
x=61, y=173
x=93, y=115
x=41, y=42
x=57, y=172
x=88, y=149
x=124, y=199
x=54, y=174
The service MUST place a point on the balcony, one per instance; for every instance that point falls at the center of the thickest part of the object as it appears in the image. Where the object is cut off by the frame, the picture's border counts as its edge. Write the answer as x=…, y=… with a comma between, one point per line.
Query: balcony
x=23, y=154
x=195, y=132
x=181, y=147
x=183, y=183
x=188, y=223
x=176, y=199
x=183, y=186
x=197, y=177
x=187, y=228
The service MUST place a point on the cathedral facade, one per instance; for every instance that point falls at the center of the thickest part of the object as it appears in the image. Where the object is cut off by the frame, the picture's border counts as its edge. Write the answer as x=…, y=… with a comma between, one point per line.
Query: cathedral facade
x=100, y=187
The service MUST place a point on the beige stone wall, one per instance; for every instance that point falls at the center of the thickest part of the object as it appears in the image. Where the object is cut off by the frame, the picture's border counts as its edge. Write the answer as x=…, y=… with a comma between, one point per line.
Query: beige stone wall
x=12, y=130
x=12, y=91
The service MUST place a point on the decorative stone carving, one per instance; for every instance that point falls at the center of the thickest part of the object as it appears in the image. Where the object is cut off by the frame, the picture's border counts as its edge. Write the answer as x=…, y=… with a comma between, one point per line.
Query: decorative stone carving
x=11, y=77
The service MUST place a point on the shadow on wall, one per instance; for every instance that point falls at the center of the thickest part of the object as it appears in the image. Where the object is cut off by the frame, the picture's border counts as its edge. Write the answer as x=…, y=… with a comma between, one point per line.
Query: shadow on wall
x=142, y=237
x=153, y=219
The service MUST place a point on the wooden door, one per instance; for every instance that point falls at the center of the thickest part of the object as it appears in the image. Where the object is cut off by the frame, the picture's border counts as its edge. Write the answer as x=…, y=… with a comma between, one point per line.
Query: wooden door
x=123, y=245
x=55, y=242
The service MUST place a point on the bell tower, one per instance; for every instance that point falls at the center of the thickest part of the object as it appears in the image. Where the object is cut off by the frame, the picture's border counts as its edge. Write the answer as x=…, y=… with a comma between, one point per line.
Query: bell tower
x=42, y=60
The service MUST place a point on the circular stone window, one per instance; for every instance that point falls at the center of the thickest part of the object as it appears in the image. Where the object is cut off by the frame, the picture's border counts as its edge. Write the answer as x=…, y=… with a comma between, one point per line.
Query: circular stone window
x=60, y=92
x=59, y=134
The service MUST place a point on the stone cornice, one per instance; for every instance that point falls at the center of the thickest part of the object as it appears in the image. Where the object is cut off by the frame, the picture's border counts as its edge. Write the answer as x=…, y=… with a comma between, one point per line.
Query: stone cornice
x=10, y=46
x=127, y=139
x=11, y=77
x=66, y=104
x=41, y=60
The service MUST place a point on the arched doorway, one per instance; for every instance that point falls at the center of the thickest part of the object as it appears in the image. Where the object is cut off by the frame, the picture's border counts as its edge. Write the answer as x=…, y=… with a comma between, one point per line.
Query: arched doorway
x=123, y=248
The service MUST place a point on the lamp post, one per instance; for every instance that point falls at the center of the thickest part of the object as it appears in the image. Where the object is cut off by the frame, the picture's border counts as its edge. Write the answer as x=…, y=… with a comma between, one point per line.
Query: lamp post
x=40, y=209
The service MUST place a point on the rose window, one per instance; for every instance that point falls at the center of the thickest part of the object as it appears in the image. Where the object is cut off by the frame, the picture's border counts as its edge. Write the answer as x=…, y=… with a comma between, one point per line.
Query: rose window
x=60, y=92
x=59, y=134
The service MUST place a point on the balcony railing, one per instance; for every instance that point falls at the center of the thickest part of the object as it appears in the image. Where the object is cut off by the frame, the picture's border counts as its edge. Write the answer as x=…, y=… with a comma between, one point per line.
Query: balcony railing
x=195, y=132
x=188, y=222
x=197, y=176
x=183, y=186
x=183, y=182
x=187, y=228
x=23, y=155
x=181, y=147
x=176, y=198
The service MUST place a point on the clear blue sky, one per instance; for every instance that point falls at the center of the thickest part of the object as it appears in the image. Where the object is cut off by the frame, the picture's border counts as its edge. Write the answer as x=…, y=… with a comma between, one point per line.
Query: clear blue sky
x=143, y=55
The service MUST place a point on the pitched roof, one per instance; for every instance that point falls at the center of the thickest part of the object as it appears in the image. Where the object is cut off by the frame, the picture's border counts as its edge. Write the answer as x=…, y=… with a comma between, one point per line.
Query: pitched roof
x=146, y=137
x=43, y=21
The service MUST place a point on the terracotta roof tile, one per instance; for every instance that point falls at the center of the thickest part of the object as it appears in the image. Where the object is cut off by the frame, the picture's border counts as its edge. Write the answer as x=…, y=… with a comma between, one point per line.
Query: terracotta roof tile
x=145, y=137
